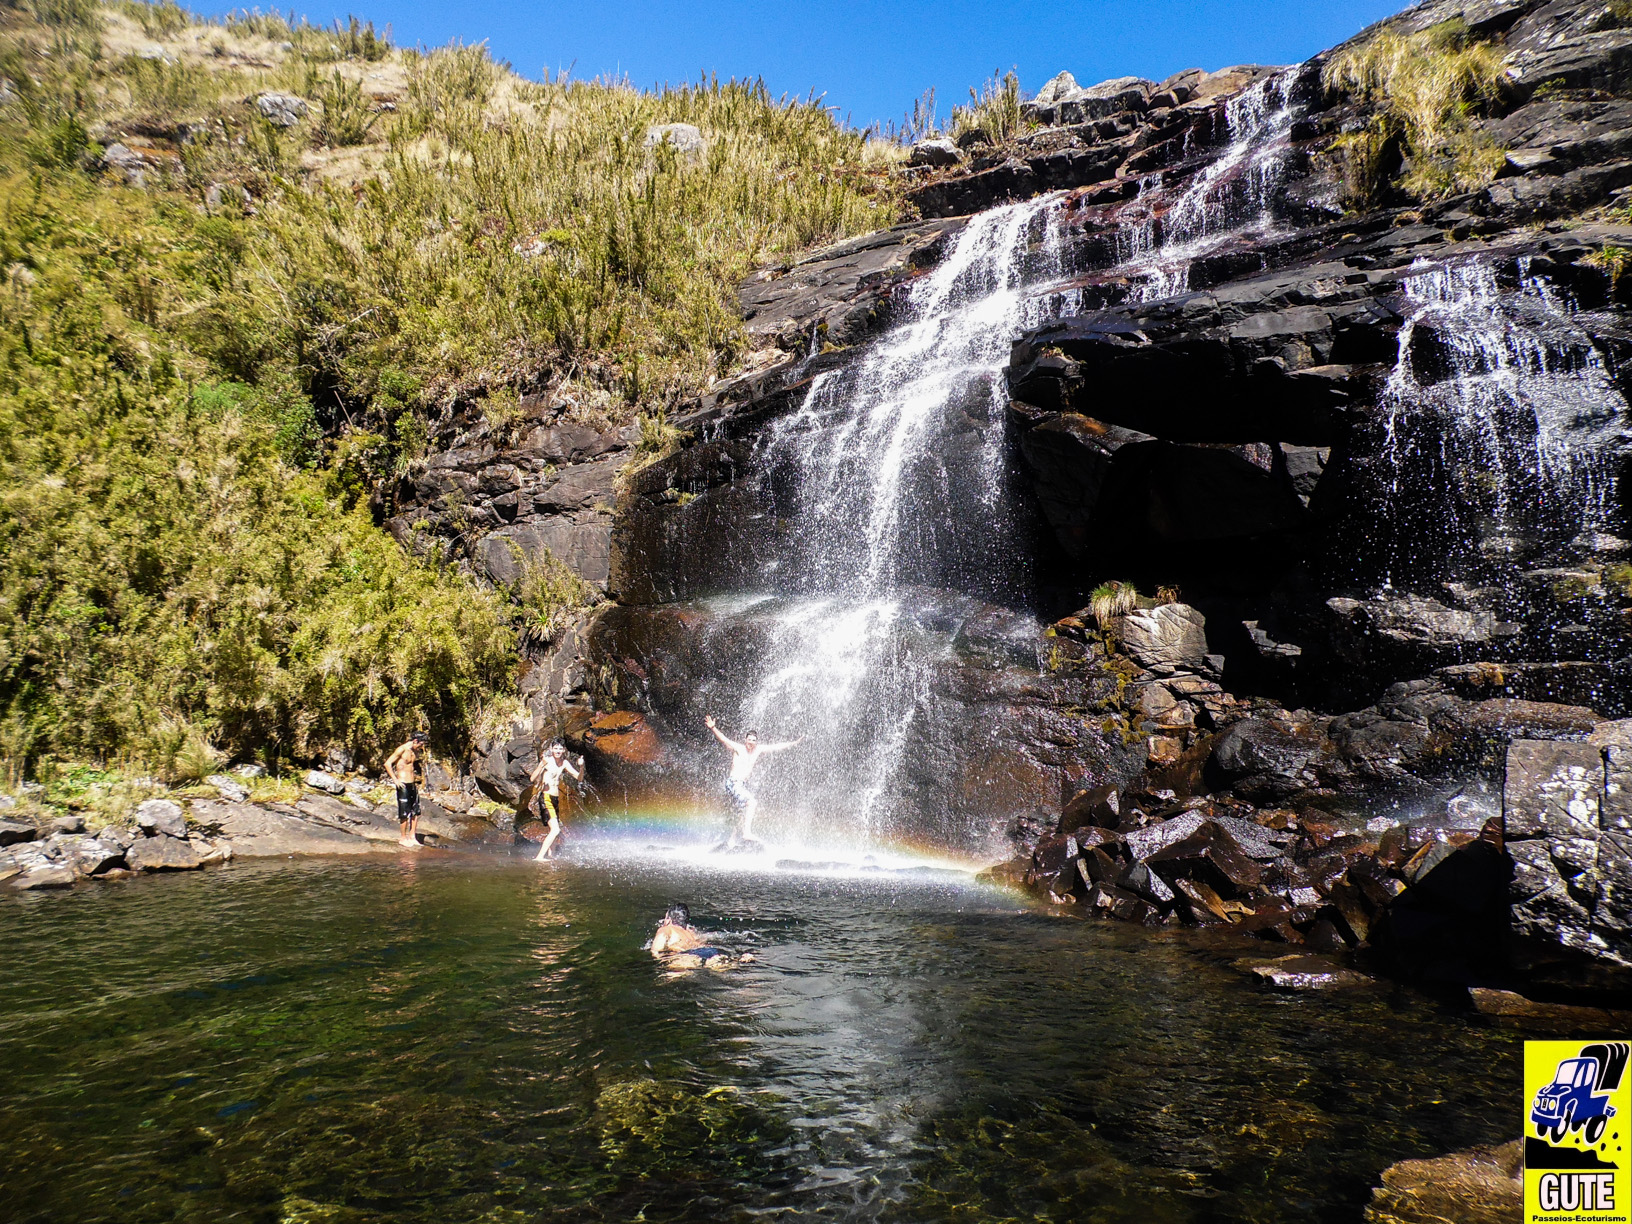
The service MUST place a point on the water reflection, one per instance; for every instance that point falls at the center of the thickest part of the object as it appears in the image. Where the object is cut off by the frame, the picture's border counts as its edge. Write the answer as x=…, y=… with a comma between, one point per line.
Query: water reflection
x=487, y=1041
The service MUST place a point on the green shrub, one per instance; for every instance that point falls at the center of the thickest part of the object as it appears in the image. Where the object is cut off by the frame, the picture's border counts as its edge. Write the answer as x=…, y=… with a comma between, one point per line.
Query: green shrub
x=165, y=566
x=160, y=19
x=1110, y=600
x=166, y=91
x=202, y=404
x=348, y=116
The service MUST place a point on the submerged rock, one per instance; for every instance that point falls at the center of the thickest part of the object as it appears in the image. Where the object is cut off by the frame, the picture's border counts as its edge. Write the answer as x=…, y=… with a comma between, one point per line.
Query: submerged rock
x=1480, y=1186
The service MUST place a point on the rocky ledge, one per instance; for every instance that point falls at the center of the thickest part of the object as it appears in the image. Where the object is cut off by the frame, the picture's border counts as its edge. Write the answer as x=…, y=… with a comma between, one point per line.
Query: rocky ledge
x=1524, y=884
x=331, y=817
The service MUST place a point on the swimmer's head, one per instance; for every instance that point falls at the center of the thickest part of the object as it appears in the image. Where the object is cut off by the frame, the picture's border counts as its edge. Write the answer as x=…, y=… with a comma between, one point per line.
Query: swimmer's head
x=418, y=737
x=558, y=749
x=751, y=738
x=678, y=915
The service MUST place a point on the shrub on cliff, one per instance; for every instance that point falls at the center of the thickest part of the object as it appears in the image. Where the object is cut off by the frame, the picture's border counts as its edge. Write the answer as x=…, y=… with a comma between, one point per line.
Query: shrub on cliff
x=1425, y=87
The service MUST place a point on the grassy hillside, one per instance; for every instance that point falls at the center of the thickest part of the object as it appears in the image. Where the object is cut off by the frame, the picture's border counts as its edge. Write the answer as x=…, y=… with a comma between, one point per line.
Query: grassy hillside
x=219, y=335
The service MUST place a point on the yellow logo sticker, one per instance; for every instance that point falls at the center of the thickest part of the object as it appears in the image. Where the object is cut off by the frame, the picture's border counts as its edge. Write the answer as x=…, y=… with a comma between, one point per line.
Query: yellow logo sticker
x=1577, y=1145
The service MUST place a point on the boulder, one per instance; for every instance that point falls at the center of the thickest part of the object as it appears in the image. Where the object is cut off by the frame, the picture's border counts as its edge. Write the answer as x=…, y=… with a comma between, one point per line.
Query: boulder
x=231, y=789
x=682, y=137
x=126, y=161
x=1212, y=857
x=1055, y=88
x=319, y=780
x=934, y=153
x=93, y=855
x=115, y=835
x=1552, y=789
x=338, y=761
x=275, y=832
x=46, y=875
x=163, y=854
x=1173, y=635
x=281, y=109
x=1266, y=760
x=67, y=824
x=161, y=816
x=1142, y=843
x=1114, y=902
x=250, y=771
x=14, y=831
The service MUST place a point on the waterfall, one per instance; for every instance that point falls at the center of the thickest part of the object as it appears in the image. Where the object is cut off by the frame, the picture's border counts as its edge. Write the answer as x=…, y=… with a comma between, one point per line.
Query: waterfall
x=1499, y=422
x=897, y=465
x=890, y=480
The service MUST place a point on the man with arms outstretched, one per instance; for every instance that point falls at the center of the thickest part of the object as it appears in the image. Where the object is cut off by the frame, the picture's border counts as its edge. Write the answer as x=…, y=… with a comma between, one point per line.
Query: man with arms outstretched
x=546, y=780
x=399, y=767
x=744, y=757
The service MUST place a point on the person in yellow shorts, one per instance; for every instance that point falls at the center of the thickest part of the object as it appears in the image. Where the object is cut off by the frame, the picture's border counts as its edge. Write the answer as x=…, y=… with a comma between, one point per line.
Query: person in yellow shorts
x=546, y=780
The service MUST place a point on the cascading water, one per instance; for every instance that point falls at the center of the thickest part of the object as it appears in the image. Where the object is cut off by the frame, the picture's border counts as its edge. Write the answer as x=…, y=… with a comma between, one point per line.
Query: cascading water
x=897, y=462
x=897, y=507
x=1230, y=194
x=1500, y=424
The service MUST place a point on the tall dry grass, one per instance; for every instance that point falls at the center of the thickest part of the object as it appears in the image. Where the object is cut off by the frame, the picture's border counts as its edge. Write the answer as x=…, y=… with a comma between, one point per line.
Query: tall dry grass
x=1427, y=87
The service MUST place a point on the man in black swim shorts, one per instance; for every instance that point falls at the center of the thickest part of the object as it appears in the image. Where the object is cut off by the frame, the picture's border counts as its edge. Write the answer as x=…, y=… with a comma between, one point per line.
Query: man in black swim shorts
x=400, y=768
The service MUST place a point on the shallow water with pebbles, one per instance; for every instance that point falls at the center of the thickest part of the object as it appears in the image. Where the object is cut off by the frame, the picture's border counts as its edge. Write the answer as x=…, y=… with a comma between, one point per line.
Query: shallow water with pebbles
x=449, y=1038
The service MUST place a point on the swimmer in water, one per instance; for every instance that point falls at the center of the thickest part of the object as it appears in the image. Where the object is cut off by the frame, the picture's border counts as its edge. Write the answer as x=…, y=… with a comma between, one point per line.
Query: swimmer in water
x=678, y=945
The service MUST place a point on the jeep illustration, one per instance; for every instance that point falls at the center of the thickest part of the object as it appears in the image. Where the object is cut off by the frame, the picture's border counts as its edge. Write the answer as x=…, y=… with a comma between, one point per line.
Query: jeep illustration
x=1571, y=1101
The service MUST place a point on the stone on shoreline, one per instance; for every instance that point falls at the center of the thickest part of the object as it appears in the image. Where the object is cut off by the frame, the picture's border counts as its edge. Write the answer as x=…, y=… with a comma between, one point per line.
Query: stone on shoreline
x=163, y=854
x=48, y=875
x=14, y=831
x=320, y=780
x=161, y=816
x=232, y=790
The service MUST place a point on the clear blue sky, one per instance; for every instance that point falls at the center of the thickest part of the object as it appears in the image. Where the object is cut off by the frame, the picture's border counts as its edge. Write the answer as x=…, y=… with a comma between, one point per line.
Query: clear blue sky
x=872, y=59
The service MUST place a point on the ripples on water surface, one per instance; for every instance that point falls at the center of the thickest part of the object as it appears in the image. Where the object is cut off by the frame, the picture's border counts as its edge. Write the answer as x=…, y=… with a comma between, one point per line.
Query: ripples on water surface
x=441, y=1039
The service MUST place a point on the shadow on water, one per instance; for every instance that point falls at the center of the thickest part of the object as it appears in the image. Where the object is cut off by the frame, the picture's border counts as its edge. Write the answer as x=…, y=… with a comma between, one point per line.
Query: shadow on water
x=441, y=1039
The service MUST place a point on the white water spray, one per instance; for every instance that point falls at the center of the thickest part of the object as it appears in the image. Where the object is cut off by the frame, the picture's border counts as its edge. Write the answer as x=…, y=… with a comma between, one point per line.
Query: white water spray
x=1504, y=396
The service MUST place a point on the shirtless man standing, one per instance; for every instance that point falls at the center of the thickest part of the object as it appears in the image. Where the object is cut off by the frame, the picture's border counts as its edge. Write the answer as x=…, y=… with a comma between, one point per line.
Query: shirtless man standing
x=400, y=768
x=546, y=801
x=744, y=757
